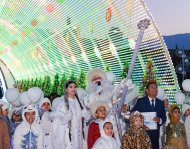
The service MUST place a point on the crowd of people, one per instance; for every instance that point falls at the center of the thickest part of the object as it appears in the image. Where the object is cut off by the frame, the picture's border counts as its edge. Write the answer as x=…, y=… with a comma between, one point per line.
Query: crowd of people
x=91, y=121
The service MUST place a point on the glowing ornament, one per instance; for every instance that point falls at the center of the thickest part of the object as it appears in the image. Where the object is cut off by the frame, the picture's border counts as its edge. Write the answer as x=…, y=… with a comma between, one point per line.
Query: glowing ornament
x=15, y=43
x=34, y=22
x=23, y=34
x=50, y=8
x=41, y=18
x=108, y=14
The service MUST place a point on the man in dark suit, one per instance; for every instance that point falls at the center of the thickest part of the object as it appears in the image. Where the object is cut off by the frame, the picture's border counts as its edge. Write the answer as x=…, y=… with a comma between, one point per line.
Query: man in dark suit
x=150, y=103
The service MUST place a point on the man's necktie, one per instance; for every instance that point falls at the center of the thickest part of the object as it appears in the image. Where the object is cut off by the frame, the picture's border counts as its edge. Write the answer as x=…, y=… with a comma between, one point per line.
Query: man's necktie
x=152, y=105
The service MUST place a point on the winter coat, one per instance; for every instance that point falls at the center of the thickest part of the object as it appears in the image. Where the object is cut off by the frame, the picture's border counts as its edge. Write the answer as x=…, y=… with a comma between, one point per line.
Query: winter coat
x=46, y=125
x=67, y=125
x=93, y=134
x=105, y=142
x=4, y=135
x=28, y=136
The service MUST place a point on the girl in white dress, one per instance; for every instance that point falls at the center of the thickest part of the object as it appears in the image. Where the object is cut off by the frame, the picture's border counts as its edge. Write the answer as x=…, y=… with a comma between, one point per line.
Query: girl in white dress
x=70, y=115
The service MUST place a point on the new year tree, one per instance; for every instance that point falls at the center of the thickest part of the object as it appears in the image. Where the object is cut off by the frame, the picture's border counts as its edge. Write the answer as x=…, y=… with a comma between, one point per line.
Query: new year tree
x=148, y=76
x=72, y=76
x=47, y=86
x=125, y=70
x=40, y=83
x=55, y=83
x=60, y=89
x=81, y=81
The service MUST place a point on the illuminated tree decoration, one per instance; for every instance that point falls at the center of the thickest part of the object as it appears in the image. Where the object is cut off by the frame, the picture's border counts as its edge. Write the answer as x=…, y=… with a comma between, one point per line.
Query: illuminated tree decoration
x=50, y=8
x=149, y=76
x=108, y=14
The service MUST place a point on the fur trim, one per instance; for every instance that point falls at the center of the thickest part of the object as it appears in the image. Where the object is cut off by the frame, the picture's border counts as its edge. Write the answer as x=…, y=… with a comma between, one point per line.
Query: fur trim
x=96, y=72
x=185, y=107
x=97, y=104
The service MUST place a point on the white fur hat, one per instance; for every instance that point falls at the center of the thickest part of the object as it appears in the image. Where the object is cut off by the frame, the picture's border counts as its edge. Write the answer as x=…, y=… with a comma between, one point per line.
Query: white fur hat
x=97, y=104
x=44, y=100
x=96, y=72
x=185, y=107
x=5, y=105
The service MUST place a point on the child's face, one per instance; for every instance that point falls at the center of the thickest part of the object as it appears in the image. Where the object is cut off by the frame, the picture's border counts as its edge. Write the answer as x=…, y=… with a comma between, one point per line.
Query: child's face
x=5, y=112
x=30, y=116
x=101, y=112
x=108, y=129
x=16, y=118
x=187, y=112
x=176, y=113
x=46, y=106
x=138, y=123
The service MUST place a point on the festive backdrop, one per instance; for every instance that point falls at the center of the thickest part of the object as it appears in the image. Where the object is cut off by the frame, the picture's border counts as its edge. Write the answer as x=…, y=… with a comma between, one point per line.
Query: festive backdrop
x=54, y=39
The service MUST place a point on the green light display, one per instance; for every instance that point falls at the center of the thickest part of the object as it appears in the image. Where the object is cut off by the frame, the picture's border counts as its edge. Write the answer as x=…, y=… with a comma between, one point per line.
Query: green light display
x=48, y=37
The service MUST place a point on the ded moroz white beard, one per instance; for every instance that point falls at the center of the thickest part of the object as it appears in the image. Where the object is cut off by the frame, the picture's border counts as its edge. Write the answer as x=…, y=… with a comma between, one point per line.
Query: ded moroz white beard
x=101, y=92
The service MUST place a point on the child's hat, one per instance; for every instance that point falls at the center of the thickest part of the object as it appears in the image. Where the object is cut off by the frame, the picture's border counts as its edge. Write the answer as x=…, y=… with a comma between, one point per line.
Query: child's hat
x=97, y=104
x=5, y=105
x=43, y=101
x=96, y=71
x=185, y=107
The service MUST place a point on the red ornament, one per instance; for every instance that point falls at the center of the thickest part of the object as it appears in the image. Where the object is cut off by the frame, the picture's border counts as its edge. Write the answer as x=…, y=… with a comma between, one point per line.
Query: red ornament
x=50, y=8
x=108, y=14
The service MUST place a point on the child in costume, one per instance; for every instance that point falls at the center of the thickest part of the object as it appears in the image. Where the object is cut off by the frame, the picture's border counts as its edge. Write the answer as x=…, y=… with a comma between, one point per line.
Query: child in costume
x=29, y=133
x=45, y=123
x=186, y=113
x=136, y=137
x=106, y=141
x=99, y=110
x=175, y=134
x=4, y=134
x=16, y=119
